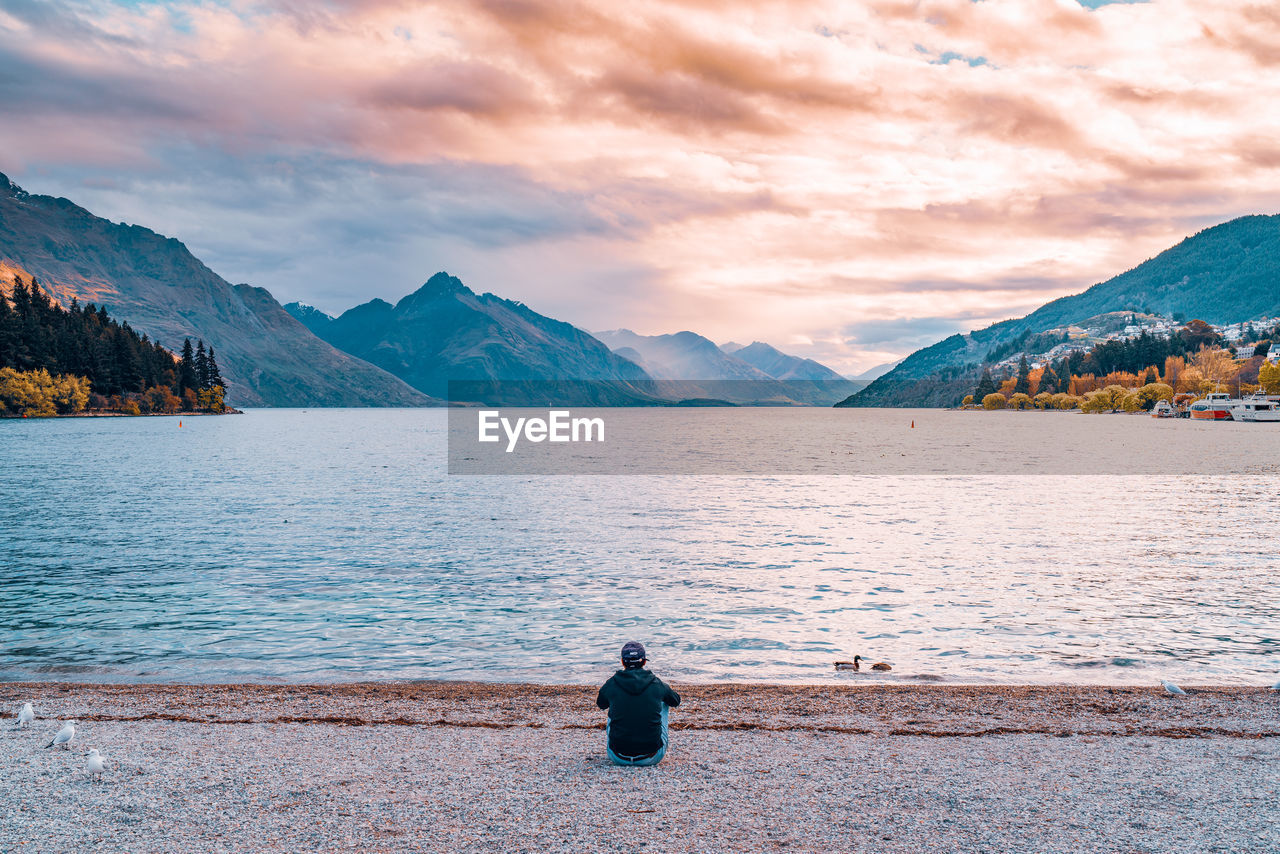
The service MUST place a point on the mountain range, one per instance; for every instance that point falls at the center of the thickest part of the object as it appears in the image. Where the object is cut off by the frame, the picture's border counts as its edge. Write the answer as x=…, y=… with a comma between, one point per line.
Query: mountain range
x=444, y=331
x=1225, y=274
x=379, y=354
x=376, y=354
x=756, y=373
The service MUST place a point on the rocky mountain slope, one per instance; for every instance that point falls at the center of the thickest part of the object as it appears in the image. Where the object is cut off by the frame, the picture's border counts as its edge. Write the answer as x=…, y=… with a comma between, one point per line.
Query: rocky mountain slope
x=445, y=331
x=161, y=289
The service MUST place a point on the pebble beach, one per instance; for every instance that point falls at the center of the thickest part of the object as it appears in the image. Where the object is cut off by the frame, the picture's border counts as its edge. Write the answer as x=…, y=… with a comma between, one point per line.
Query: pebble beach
x=391, y=767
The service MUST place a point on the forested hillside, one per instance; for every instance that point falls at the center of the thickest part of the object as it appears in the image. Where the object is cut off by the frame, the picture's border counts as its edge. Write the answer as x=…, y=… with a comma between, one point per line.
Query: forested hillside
x=1225, y=274
x=56, y=360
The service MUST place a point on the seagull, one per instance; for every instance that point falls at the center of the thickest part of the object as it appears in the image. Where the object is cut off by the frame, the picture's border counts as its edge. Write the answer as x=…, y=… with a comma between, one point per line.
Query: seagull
x=1275, y=687
x=64, y=736
x=94, y=765
x=1173, y=689
x=26, y=716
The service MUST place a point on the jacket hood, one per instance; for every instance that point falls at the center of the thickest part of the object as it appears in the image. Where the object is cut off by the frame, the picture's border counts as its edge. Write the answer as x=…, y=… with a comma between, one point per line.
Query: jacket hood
x=634, y=681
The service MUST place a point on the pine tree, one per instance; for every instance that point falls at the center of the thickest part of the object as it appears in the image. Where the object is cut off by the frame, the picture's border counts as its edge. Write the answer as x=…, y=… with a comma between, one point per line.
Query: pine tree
x=186, y=368
x=202, y=365
x=985, y=386
x=7, y=332
x=125, y=356
x=1023, y=386
x=1049, y=380
x=215, y=376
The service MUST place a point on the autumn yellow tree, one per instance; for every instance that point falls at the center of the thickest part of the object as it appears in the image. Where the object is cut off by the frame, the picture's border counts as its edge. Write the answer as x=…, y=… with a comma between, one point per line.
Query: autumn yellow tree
x=1269, y=377
x=211, y=399
x=38, y=393
x=1151, y=392
x=70, y=393
x=1082, y=384
x=1108, y=399
x=1033, y=382
x=1120, y=378
x=1096, y=401
x=1190, y=380
x=995, y=400
x=1216, y=366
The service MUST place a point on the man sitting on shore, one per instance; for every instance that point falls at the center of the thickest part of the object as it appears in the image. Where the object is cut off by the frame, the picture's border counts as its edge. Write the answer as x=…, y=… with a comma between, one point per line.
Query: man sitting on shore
x=638, y=701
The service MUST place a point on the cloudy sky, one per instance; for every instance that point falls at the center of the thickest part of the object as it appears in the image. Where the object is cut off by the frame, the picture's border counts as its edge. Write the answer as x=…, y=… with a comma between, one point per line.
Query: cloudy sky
x=847, y=180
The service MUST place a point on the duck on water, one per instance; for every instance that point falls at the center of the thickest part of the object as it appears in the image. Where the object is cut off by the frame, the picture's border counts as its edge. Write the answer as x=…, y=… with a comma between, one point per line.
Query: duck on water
x=856, y=664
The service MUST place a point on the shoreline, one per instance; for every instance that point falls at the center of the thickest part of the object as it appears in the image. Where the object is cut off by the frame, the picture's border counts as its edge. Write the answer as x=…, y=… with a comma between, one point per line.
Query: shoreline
x=105, y=414
x=872, y=709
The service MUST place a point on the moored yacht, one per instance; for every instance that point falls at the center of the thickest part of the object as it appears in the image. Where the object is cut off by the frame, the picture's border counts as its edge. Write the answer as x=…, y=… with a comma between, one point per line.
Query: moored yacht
x=1257, y=407
x=1214, y=407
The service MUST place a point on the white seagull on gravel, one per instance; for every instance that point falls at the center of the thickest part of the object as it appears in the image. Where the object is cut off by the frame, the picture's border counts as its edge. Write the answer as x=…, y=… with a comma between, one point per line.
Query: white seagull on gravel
x=64, y=736
x=26, y=716
x=1276, y=687
x=1173, y=689
x=94, y=765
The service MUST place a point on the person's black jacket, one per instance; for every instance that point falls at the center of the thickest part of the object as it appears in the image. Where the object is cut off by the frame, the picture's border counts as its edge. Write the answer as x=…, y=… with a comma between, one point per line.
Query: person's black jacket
x=634, y=699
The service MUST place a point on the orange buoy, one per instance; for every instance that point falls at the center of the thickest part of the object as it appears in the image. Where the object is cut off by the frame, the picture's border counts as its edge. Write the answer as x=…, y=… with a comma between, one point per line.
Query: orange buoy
x=180, y=422
x=913, y=424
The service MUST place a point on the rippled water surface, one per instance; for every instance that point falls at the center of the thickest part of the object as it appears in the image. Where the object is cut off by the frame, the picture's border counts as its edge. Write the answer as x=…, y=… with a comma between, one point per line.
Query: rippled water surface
x=291, y=545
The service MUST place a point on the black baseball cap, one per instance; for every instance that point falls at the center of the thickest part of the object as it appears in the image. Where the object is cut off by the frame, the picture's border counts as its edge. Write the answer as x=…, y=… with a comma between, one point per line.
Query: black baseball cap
x=633, y=652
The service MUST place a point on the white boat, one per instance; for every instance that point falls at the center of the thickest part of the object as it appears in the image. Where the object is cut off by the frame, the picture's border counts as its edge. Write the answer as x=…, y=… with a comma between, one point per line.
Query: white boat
x=1255, y=408
x=1163, y=409
x=1214, y=407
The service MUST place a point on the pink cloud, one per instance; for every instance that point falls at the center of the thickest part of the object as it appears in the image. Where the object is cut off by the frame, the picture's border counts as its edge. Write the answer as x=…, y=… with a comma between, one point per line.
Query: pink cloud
x=779, y=169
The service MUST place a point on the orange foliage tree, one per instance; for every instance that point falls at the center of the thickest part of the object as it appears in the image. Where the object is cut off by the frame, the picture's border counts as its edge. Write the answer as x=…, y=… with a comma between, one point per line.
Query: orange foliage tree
x=1033, y=381
x=1216, y=366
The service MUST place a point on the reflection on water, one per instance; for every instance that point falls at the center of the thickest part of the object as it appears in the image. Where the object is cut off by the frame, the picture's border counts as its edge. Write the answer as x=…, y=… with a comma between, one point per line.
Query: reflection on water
x=330, y=544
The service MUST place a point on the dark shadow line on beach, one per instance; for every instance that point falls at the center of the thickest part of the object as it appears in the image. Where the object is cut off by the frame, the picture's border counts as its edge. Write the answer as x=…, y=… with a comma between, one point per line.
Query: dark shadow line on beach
x=1128, y=732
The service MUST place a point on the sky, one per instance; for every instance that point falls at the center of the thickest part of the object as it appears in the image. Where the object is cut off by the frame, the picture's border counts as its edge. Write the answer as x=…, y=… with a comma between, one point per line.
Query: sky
x=847, y=181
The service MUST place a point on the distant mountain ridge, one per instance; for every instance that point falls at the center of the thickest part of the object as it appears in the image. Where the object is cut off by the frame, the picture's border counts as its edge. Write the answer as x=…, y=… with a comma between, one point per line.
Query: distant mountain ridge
x=445, y=331
x=756, y=373
x=161, y=289
x=782, y=366
x=310, y=316
x=683, y=356
x=1224, y=274
x=875, y=373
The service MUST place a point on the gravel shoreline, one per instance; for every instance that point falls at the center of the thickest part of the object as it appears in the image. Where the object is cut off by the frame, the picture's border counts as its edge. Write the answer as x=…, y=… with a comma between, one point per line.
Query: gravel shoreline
x=503, y=767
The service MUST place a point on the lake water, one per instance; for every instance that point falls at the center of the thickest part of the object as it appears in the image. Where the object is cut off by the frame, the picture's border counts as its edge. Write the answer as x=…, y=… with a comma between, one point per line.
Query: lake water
x=293, y=545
